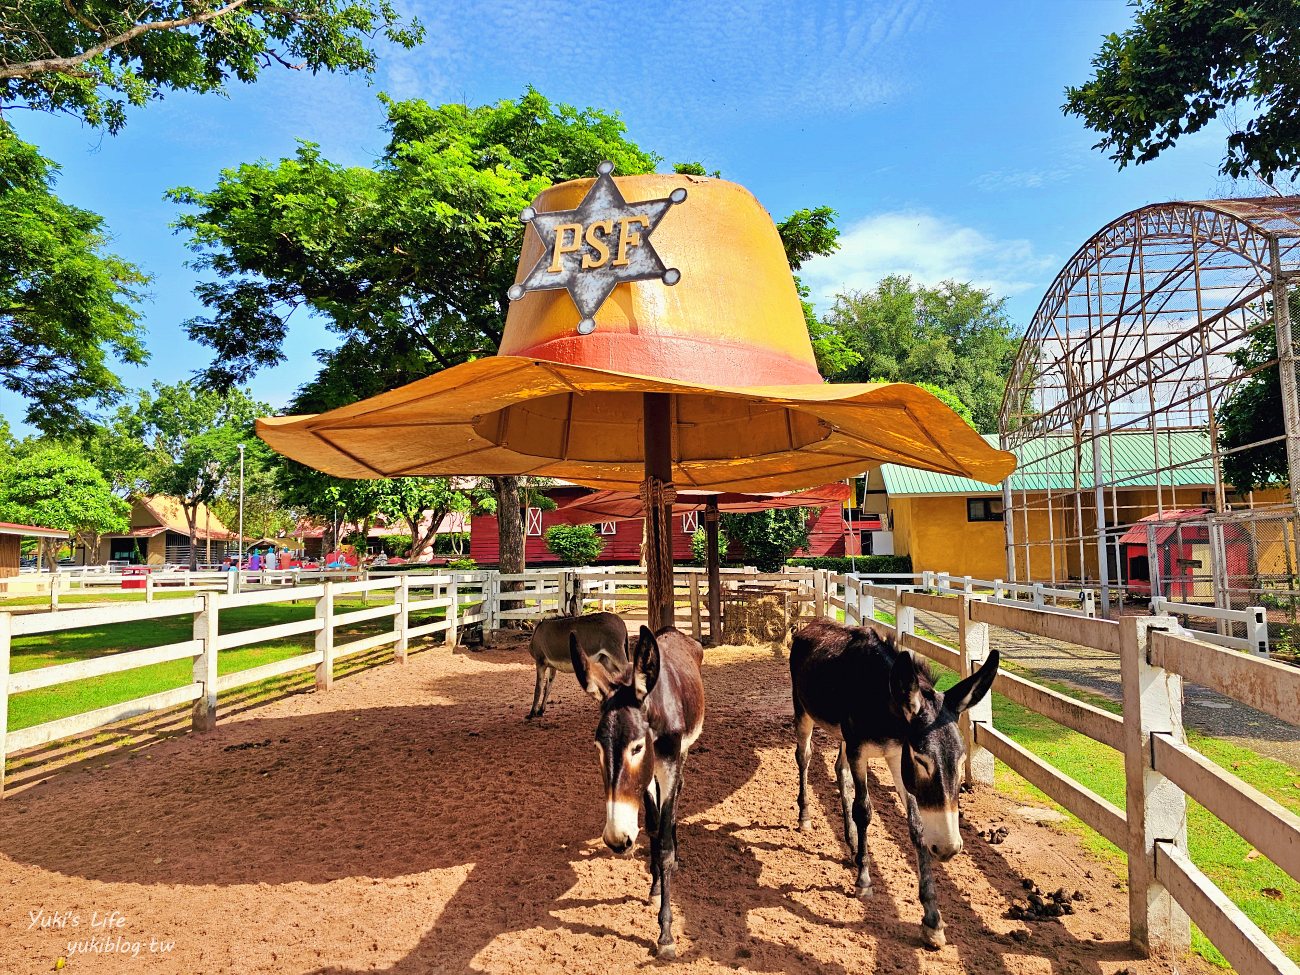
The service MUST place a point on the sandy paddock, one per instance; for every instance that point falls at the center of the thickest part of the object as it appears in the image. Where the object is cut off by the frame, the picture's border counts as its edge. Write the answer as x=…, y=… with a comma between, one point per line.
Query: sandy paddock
x=410, y=821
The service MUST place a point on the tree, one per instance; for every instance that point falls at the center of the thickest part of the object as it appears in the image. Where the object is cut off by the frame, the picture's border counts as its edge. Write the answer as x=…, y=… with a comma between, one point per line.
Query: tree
x=193, y=437
x=1181, y=65
x=408, y=261
x=769, y=537
x=575, y=544
x=53, y=487
x=422, y=503
x=954, y=336
x=92, y=60
x=67, y=305
x=700, y=546
x=1252, y=412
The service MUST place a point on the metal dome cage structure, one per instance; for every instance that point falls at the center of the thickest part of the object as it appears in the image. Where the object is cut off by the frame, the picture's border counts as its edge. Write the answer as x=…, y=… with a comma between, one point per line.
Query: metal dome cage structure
x=1114, y=404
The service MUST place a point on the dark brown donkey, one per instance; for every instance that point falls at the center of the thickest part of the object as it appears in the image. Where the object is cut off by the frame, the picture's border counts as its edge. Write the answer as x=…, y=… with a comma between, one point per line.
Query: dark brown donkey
x=650, y=715
x=883, y=703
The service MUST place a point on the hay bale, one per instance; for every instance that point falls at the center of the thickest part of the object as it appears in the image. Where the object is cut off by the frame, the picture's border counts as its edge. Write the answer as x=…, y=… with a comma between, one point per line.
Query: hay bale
x=750, y=618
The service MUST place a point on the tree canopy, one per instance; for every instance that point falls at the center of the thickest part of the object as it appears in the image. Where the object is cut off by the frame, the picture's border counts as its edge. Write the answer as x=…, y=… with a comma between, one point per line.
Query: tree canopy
x=94, y=59
x=1252, y=413
x=191, y=440
x=413, y=256
x=67, y=305
x=954, y=336
x=53, y=487
x=1181, y=65
x=770, y=536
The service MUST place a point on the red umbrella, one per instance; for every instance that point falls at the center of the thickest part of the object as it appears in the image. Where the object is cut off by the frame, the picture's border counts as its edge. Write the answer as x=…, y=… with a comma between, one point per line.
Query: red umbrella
x=626, y=505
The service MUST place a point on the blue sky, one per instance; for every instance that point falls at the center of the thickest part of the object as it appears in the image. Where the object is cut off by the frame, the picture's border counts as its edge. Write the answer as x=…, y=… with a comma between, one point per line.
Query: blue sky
x=933, y=128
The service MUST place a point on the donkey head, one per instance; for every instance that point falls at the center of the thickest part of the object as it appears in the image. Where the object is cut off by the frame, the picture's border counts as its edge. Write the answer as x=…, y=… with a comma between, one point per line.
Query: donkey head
x=932, y=746
x=624, y=738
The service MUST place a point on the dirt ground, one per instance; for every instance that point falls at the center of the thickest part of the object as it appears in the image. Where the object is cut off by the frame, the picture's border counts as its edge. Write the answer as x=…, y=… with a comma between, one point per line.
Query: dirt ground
x=411, y=821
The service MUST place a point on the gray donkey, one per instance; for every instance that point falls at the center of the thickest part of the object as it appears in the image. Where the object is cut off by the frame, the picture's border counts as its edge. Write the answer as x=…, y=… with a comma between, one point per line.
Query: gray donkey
x=602, y=635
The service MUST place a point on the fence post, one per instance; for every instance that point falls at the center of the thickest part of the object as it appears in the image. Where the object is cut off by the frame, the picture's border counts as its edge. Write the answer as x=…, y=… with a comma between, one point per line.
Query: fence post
x=364, y=576
x=999, y=589
x=402, y=619
x=453, y=612
x=206, y=628
x=232, y=578
x=1257, y=631
x=819, y=592
x=697, y=629
x=491, y=601
x=904, y=617
x=325, y=637
x=1088, y=600
x=6, y=631
x=148, y=587
x=1155, y=808
x=968, y=586
x=1039, y=600
x=973, y=644
x=54, y=591
x=867, y=605
x=927, y=579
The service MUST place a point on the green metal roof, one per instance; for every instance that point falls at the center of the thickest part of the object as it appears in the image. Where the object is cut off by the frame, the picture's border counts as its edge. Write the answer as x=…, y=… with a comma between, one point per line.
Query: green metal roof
x=1127, y=459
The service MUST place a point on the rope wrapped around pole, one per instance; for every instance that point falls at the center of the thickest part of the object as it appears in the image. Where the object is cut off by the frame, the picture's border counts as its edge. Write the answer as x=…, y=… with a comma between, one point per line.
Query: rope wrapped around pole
x=657, y=499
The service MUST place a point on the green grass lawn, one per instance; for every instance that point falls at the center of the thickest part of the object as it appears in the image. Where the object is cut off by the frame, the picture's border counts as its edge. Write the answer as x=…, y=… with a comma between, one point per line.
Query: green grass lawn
x=1214, y=846
x=47, y=649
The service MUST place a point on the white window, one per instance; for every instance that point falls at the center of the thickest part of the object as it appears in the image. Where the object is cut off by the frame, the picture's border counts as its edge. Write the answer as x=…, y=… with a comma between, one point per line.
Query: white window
x=690, y=522
x=608, y=528
x=533, y=521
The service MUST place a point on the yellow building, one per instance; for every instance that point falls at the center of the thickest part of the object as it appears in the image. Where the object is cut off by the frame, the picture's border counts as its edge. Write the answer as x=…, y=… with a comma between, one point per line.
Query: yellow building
x=958, y=525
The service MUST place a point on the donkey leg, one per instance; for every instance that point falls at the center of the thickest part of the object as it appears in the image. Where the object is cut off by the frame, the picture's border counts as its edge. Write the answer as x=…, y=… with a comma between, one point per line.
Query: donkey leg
x=803, y=729
x=651, y=807
x=536, y=709
x=932, y=921
x=857, y=762
x=845, y=777
x=546, y=689
x=666, y=948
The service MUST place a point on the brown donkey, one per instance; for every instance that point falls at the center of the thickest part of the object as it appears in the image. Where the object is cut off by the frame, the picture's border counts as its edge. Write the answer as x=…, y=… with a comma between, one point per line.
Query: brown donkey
x=883, y=703
x=650, y=715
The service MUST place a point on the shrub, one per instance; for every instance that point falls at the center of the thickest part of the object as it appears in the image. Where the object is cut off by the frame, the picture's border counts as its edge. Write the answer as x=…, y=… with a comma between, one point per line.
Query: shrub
x=575, y=544
x=463, y=565
x=700, y=546
x=769, y=537
x=869, y=564
x=451, y=543
x=398, y=546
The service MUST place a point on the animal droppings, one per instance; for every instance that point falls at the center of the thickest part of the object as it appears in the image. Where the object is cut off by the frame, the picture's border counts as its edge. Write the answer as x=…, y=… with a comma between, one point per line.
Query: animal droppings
x=1041, y=906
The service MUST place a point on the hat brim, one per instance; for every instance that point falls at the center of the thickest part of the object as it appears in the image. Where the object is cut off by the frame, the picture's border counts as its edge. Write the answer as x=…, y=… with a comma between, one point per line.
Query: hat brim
x=507, y=415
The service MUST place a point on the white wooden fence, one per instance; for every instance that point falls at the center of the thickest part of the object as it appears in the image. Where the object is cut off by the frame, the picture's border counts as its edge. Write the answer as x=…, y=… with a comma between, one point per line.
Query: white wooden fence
x=462, y=596
x=1161, y=770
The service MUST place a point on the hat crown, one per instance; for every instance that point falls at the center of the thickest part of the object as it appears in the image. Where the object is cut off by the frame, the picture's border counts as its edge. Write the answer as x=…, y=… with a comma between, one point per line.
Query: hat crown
x=732, y=319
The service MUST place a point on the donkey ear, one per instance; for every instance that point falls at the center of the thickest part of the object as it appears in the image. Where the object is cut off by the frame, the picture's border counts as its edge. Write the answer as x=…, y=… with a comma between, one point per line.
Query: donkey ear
x=970, y=691
x=905, y=686
x=645, y=665
x=592, y=676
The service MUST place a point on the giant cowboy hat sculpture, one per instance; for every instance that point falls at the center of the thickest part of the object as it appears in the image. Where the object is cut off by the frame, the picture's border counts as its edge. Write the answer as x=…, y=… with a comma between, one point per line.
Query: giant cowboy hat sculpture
x=654, y=336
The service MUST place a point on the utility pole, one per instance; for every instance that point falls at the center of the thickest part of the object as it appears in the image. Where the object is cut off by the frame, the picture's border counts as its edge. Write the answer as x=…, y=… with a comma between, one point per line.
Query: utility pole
x=241, y=507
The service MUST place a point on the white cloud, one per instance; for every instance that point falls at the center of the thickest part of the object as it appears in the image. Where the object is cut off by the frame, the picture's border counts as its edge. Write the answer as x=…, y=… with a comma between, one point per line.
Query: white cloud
x=1022, y=179
x=929, y=249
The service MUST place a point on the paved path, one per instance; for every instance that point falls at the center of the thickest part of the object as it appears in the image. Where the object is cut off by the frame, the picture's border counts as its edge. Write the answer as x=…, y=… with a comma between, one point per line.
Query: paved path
x=1097, y=670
